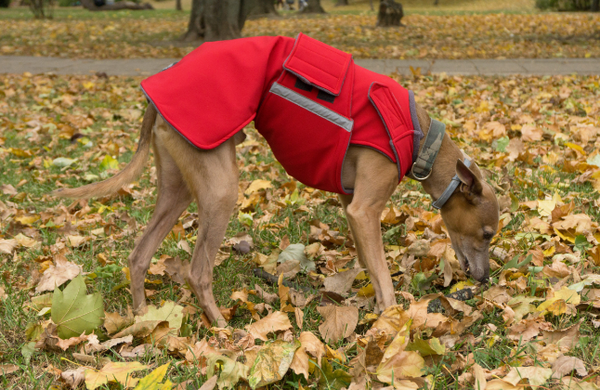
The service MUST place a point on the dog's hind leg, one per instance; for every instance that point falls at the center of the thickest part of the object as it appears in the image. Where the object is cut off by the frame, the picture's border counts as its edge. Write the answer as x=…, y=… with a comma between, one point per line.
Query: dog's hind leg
x=173, y=197
x=212, y=177
x=374, y=182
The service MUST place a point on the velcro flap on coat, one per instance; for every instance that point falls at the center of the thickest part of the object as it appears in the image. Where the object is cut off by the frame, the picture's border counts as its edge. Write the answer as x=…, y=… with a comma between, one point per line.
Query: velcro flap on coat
x=397, y=123
x=318, y=64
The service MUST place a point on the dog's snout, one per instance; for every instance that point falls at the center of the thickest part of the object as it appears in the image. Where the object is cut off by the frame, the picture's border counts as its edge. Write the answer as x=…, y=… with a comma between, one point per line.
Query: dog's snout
x=484, y=280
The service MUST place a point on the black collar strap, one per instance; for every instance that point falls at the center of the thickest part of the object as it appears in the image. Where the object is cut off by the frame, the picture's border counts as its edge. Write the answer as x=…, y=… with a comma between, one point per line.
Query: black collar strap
x=450, y=189
x=423, y=165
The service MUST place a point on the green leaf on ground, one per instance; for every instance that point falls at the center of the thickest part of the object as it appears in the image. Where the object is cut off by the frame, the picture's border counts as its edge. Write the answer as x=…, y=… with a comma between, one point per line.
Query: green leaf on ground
x=74, y=312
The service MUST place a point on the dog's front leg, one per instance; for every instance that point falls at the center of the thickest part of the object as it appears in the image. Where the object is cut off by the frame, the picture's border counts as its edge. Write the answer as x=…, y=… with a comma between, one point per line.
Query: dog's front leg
x=375, y=181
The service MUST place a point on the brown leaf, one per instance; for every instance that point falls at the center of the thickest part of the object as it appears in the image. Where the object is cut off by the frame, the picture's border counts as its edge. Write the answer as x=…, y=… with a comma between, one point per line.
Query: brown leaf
x=568, y=337
x=113, y=322
x=274, y=322
x=57, y=274
x=177, y=269
x=340, y=322
x=531, y=133
x=566, y=364
x=73, y=378
x=536, y=376
x=265, y=296
x=210, y=384
x=7, y=246
x=6, y=369
x=310, y=344
x=342, y=282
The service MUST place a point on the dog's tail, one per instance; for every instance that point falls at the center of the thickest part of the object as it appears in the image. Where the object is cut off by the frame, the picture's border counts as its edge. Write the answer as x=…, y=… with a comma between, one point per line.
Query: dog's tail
x=127, y=175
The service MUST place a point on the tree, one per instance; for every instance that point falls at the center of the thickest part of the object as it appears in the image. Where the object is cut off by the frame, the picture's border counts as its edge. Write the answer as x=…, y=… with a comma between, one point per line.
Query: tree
x=313, y=7
x=41, y=9
x=390, y=13
x=215, y=20
x=342, y=2
x=264, y=8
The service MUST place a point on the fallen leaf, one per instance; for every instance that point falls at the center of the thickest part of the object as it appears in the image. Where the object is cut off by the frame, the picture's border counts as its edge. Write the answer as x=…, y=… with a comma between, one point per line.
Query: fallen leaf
x=152, y=380
x=274, y=322
x=536, y=376
x=340, y=322
x=74, y=312
x=113, y=372
x=342, y=282
x=231, y=371
x=564, y=365
x=309, y=344
x=6, y=369
x=272, y=362
x=58, y=273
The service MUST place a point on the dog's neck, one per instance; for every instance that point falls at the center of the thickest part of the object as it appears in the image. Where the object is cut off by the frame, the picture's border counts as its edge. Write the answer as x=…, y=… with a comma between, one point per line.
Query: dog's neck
x=444, y=166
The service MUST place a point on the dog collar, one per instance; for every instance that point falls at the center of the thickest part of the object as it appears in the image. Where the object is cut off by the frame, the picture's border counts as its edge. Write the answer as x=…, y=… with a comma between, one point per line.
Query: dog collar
x=450, y=189
x=423, y=165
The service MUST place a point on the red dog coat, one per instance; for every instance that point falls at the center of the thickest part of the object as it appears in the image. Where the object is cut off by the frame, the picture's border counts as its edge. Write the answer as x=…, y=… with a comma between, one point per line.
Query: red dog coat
x=309, y=100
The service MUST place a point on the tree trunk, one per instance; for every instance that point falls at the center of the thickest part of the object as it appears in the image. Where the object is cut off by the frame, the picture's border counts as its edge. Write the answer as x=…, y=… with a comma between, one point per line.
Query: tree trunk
x=595, y=6
x=390, y=14
x=178, y=5
x=342, y=2
x=313, y=7
x=89, y=5
x=216, y=20
x=371, y=5
x=264, y=8
x=41, y=9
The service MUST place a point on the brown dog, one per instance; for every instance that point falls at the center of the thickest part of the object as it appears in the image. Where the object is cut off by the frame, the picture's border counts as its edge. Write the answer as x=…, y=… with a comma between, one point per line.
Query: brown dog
x=210, y=177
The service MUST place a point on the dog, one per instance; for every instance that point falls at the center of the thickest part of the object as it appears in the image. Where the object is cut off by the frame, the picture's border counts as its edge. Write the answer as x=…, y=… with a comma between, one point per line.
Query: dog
x=319, y=86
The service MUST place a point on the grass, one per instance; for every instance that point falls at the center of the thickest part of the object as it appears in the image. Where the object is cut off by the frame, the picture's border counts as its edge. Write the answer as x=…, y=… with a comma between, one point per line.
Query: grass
x=63, y=105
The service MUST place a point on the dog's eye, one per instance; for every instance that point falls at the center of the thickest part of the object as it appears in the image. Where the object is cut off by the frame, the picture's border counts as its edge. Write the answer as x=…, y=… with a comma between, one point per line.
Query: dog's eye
x=487, y=234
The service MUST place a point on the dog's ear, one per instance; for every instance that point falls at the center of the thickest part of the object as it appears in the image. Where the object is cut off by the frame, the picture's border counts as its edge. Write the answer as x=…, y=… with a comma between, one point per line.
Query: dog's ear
x=471, y=185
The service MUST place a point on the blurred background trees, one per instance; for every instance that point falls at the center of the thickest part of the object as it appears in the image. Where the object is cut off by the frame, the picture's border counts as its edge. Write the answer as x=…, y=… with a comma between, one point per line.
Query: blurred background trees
x=568, y=5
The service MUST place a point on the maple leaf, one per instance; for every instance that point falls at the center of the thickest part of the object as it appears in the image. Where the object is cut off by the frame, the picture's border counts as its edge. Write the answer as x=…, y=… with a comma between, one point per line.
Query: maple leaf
x=536, y=376
x=272, y=362
x=58, y=273
x=340, y=322
x=113, y=322
x=274, y=322
x=309, y=344
x=397, y=362
x=74, y=312
x=170, y=312
x=113, y=372
x=231, y=371
x=333, y=379
x=152, y=380
x=566, y=364
x=340, y=283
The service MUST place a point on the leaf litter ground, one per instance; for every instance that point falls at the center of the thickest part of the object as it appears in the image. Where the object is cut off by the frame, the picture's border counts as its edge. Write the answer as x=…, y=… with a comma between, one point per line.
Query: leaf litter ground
x=425, y=36
x=536, y=326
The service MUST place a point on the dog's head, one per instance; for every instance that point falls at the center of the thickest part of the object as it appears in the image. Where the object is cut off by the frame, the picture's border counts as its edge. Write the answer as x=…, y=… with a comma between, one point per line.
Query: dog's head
x=471, y=216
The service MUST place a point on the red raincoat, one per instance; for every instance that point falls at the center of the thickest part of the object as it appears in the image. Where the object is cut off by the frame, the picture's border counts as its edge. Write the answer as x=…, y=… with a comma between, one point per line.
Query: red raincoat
x=309, y=100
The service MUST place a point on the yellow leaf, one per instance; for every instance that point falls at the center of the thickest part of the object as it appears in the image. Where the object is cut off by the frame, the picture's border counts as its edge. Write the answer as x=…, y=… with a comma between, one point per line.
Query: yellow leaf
x=258, y=185
x=152, y=380
x=367, y=291
x=460, y=286
x=113, y=372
